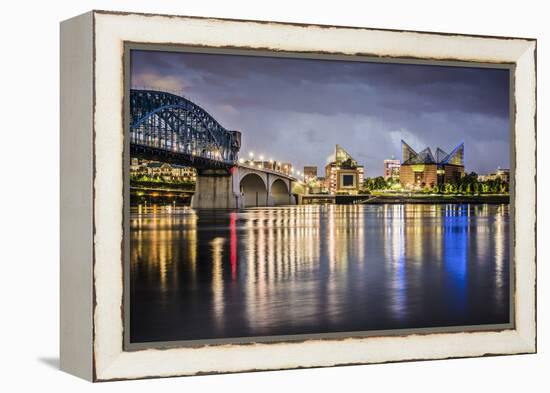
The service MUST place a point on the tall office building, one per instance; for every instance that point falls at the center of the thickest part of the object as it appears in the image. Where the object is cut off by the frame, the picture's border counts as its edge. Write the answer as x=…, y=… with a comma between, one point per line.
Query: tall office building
x=391, y=169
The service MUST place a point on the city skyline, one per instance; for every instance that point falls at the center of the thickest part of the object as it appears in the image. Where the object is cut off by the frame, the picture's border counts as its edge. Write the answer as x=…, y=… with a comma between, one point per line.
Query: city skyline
x=289, y=109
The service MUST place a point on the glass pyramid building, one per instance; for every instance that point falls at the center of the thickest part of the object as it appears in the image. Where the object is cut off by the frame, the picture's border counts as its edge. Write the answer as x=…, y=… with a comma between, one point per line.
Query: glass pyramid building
x=409, y=156
x=426, y=169
x=343, y=158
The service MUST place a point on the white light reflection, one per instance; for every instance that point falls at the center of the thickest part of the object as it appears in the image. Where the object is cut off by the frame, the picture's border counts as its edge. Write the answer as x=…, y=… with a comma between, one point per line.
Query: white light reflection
x=395, y=246
x=216, y=246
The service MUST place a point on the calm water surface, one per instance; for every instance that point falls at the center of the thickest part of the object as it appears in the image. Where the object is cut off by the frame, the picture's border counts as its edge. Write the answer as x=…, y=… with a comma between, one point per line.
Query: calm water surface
x=316, y=269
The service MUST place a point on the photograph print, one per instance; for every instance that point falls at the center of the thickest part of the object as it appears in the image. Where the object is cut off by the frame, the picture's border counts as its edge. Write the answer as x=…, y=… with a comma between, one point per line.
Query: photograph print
x=279, y=197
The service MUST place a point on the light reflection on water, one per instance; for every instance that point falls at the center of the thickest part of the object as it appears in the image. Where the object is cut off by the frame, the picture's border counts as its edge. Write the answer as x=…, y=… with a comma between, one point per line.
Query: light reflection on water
x=316, y=269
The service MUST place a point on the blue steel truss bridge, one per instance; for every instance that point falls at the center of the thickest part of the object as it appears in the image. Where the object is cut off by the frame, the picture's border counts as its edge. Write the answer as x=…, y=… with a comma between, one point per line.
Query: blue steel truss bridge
x=169, y=128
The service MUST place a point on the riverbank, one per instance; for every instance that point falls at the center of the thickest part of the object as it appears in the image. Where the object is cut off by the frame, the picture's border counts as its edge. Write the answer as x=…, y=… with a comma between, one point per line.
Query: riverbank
x=433, y=199
x=159, y=196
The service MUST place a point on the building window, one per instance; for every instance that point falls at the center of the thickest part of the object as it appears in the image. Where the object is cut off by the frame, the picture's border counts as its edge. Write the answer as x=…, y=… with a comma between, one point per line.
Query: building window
x=348, y=180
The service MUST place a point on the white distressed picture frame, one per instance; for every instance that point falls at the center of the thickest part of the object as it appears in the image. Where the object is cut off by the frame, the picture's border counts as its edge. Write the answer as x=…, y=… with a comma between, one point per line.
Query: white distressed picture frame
x=92, y=147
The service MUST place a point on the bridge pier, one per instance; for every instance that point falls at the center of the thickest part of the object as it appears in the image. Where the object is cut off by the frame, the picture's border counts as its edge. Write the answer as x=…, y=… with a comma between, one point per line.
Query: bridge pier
x=216, y=189
x=241, y=187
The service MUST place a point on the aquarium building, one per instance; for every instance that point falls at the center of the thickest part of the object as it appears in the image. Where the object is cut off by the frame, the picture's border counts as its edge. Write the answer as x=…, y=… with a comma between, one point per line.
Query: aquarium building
x=425, y=169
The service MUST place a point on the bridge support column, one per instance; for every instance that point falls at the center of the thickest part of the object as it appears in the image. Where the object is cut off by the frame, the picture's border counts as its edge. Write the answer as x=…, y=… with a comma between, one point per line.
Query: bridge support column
x=269, y=197
x=215, y=189
x=291, y=199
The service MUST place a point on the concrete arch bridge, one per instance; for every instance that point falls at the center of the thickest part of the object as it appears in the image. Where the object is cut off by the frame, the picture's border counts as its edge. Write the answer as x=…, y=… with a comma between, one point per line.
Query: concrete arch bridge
x=241, y=187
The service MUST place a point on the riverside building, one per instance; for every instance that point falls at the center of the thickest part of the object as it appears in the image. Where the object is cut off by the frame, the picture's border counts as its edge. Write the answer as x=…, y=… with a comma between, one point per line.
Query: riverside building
x=391, y=169
x=343, y=175
x=424, y=169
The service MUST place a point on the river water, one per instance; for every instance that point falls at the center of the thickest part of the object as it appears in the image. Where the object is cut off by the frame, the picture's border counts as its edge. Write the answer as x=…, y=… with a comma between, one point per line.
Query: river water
x=315, y=269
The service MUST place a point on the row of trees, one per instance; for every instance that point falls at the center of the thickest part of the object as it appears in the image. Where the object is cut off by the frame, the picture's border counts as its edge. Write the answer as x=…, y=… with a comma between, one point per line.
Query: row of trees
x=377, y=183
x=159, y=180
x=136, y=177
x=468, y=184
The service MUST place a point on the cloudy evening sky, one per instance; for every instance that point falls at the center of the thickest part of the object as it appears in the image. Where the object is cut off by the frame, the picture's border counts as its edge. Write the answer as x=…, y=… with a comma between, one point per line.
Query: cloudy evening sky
x=297, y=110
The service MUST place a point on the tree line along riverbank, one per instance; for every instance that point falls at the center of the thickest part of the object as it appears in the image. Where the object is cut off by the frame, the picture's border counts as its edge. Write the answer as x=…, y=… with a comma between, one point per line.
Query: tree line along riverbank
x=429, y=199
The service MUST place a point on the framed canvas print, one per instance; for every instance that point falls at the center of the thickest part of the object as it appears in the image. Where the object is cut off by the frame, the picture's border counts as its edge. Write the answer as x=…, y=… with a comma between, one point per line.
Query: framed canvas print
x=246, y=195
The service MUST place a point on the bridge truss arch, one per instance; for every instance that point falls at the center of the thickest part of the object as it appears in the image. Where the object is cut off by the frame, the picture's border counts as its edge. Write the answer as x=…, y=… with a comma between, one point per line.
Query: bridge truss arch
x=166, y=125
